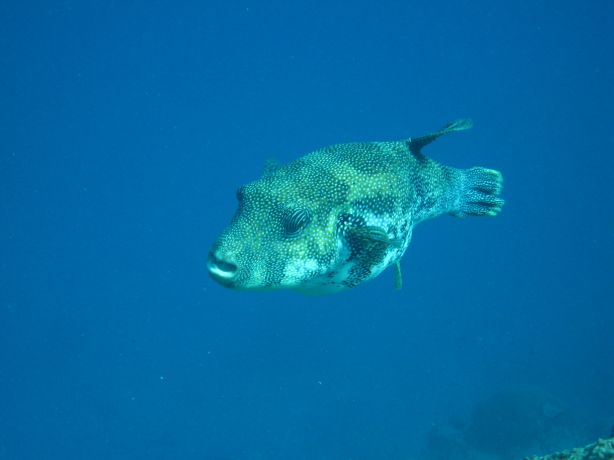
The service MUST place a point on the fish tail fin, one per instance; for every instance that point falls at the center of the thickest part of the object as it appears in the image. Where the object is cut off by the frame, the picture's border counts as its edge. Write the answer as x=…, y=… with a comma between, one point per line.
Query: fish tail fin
x=479, y=193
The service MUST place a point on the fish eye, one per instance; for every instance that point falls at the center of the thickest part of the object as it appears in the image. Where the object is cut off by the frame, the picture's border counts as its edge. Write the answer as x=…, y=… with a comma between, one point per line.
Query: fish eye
x=294, y=221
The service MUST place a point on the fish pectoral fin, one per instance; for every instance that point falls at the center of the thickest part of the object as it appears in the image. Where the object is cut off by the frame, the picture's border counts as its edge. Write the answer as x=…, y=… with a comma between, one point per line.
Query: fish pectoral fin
x=376, y=235
x=375, y=240
x=367, y=245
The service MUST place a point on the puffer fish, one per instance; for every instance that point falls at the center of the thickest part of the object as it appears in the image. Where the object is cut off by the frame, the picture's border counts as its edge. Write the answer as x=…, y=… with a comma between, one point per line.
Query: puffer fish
x=341, y=215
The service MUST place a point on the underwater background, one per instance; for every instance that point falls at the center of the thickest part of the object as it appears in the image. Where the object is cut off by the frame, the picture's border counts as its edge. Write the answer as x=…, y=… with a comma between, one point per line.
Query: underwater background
x=126, y=129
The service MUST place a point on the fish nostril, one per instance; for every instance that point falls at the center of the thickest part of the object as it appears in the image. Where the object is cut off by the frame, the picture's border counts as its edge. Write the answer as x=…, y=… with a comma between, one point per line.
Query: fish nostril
x=221, y=268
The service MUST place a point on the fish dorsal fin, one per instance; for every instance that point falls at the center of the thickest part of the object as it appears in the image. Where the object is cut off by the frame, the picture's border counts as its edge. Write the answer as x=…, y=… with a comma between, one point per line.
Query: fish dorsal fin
x=415, y=144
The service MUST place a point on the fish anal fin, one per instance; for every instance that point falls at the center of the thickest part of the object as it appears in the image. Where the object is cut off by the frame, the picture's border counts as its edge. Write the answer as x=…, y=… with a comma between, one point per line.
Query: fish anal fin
x=398, y=276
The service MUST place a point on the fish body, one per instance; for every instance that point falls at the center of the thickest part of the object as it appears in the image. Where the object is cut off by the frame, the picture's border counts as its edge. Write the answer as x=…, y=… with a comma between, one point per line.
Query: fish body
x=342, y=214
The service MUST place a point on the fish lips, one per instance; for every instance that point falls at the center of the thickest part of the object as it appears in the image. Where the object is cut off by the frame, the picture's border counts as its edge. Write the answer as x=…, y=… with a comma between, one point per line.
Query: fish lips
x=222, y=271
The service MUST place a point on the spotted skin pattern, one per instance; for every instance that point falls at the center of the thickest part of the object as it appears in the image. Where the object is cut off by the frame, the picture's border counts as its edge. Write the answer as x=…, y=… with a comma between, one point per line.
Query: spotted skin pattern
x=340, y=215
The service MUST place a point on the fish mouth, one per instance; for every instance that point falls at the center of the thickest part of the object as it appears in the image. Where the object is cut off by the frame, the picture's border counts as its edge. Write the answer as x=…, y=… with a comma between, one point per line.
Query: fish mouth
x=220, y=270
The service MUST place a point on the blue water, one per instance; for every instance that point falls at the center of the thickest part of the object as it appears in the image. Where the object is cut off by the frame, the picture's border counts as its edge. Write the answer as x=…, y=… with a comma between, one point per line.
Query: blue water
x=126, y=128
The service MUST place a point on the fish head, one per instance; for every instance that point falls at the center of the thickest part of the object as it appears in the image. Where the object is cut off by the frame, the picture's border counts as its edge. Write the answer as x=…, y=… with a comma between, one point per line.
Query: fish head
x=283, y=234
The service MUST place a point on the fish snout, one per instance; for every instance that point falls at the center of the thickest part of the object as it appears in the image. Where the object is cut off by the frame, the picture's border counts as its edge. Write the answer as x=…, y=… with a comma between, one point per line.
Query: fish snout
x=221, y=268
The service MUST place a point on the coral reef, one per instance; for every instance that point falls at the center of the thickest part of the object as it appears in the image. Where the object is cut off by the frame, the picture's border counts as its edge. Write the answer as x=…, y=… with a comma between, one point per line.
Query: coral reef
x=519, y=420
x=600, y=450
x=514, y=423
